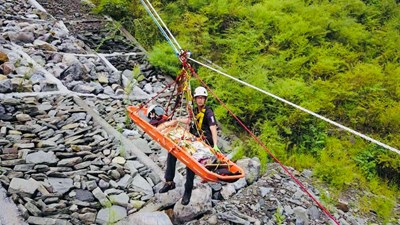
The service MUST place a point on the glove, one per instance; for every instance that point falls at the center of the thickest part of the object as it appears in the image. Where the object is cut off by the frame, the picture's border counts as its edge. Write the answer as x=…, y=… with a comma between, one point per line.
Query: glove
x=216, y=148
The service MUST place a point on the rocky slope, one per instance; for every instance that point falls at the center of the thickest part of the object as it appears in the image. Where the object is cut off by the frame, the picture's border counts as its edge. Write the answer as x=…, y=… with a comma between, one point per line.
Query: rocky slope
x=69, y=155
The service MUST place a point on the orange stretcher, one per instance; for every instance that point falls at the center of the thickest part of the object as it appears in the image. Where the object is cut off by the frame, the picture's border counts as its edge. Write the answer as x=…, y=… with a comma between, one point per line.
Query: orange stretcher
x=225, y=170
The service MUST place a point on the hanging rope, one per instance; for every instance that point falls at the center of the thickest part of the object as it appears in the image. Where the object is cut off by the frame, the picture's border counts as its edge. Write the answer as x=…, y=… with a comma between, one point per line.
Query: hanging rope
x=160, y=27
x=158, y=94
x=165, y=26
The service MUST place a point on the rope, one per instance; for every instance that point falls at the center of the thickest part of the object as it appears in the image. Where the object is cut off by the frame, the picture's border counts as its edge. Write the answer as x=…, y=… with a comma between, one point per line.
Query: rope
x=302, y=109
x=160, y=28
x=165, y=26
x=159, y=93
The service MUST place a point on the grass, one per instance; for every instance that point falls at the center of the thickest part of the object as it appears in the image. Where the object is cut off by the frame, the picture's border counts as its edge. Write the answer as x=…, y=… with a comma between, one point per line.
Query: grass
x=278, y=216
x=122, y=150
x=380, y=199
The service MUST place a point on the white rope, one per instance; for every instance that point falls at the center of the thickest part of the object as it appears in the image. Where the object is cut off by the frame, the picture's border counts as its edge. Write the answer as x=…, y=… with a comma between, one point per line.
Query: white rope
x=301, y=108
x=160, y=27
x=165, y=26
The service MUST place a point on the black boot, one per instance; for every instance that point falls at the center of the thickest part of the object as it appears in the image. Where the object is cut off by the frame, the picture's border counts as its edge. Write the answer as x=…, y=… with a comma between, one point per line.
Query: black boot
x=169, y=185
x=186, y=197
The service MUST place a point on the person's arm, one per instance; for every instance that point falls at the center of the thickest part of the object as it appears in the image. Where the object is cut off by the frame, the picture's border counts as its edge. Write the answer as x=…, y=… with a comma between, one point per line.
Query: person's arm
x=183, y=120
x=214, y=134
x=213, y=126
x=166, y=124
x=172, y=123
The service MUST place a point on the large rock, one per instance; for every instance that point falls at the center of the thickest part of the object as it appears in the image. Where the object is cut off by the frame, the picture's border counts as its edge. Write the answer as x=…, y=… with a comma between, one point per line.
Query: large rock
x=131, y=166
x=138, y=94
x=37, y=77
x=41, y=157
x=61, y=185
x=111, y=215
x=100, y=196
x=9, y=213
x=140, y=184
x=301, y=214
x=343, y=205
x=44, y=45
x=121, y=199
x=142, y=145
x=227, y=191
x=84, y=195
x=69, y=161
x=124, y=181
x=147, y=218
x=21, y=37
x=76, y=71
x=22, y=186
x=239, y=184
x=45, y=221
x=251, y=168
x=200, y=203
x=164, y=200
x=7, y=68
x=3, y=57
x=5, y=86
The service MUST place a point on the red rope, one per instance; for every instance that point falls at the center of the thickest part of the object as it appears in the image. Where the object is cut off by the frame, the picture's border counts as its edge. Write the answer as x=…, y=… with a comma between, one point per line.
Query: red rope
x=181, y=74
x=159, y=93
x=170, y=98
x=186, y=64
x=162, y=91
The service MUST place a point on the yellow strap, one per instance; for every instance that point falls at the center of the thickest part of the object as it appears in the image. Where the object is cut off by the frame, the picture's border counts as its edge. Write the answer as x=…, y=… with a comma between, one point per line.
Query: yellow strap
x=199, y=118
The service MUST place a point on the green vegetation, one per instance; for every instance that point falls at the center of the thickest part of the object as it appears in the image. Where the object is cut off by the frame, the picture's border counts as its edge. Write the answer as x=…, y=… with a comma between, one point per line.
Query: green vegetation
x=339, y=59
x=113, y=30
x=278, y=216
x=117, y=9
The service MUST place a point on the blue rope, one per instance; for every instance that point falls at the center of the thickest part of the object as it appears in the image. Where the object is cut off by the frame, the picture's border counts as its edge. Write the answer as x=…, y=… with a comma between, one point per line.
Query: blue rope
x=160, y=28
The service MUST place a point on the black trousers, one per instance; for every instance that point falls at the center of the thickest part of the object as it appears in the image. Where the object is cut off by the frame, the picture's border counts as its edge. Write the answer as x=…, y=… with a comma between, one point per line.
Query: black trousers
x=170, y=173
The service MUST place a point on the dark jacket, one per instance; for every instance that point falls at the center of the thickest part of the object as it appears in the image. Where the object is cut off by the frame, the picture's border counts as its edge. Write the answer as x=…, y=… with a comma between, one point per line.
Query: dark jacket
x=207, y=121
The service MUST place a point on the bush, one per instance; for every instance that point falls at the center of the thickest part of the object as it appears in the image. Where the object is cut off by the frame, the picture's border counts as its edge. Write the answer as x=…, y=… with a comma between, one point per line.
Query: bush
x=164, y=57
x=117, y=9
x=336, y=167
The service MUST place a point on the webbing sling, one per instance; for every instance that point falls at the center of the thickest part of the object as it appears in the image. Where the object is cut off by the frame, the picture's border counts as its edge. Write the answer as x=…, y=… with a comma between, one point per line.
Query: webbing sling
x=200, y=118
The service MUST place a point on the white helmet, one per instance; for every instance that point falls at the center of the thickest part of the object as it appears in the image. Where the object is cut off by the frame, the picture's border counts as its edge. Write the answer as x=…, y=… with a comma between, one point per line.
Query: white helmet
x=200, y=91
x=158, y=110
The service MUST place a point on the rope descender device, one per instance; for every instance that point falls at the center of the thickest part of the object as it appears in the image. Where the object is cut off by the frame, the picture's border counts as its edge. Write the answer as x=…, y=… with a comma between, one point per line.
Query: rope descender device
x=183, y=56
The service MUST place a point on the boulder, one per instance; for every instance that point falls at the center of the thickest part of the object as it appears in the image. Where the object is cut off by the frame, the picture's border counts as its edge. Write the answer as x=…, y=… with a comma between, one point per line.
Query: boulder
x=147, y=218
x=251, y=168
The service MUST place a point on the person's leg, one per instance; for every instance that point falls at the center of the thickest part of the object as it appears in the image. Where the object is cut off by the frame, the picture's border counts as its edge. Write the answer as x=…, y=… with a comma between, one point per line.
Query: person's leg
x=169, y=174
x=171, y=165
x=188, y=186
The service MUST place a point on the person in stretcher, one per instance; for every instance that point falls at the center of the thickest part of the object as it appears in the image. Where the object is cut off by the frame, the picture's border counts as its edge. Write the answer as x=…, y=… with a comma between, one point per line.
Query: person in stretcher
x=205, y=127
